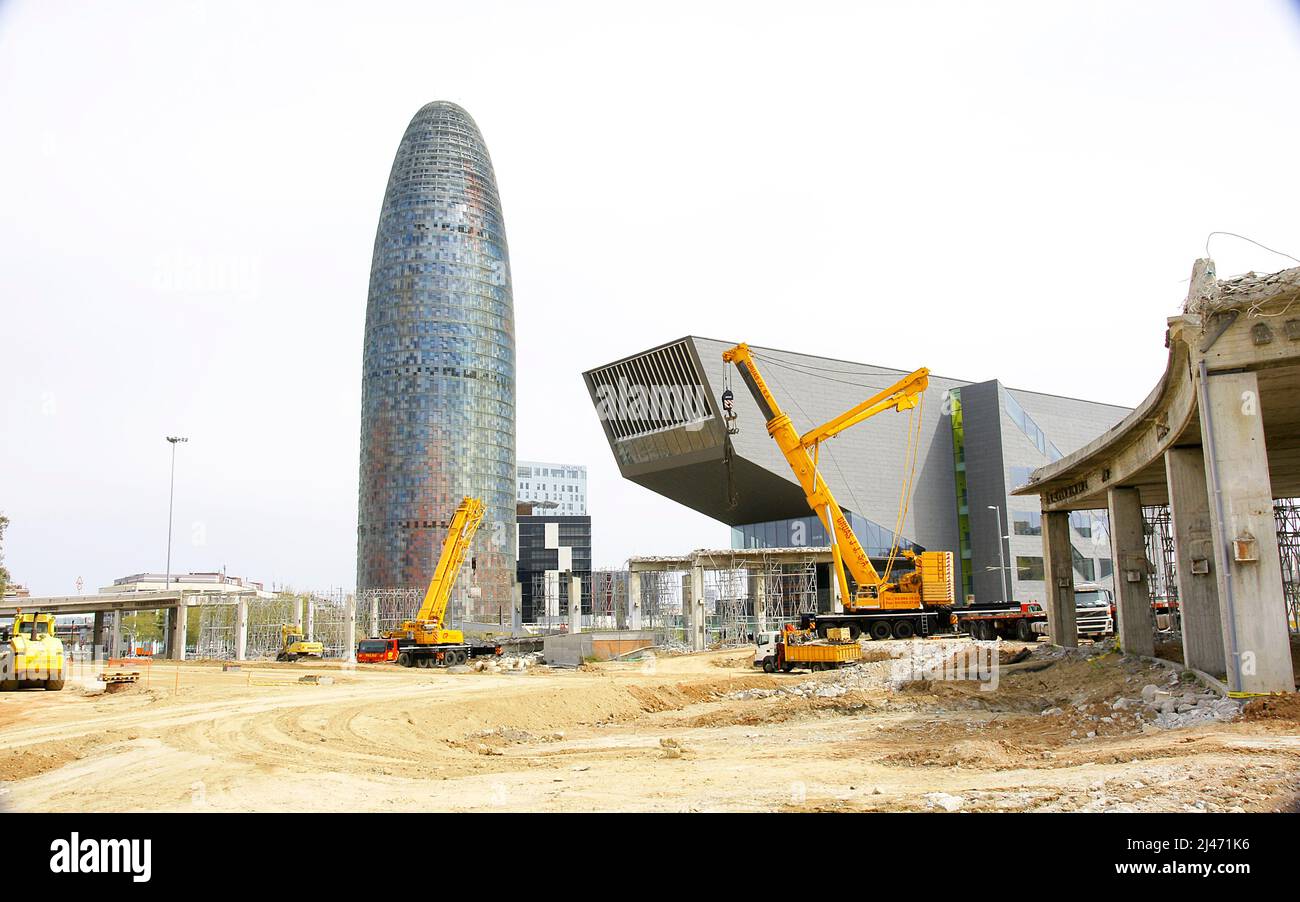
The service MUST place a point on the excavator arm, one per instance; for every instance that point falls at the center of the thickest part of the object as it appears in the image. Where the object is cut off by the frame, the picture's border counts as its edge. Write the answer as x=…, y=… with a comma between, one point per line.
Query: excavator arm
x=800, y=452
x=460, y=533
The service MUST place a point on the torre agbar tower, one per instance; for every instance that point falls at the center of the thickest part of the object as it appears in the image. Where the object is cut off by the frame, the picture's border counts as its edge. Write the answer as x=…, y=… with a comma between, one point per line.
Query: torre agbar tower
x=438, y=373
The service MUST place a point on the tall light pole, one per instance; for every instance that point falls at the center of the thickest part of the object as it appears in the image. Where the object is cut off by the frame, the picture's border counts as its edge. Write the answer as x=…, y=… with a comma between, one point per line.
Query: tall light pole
x=171, y=500
x=1002, y=560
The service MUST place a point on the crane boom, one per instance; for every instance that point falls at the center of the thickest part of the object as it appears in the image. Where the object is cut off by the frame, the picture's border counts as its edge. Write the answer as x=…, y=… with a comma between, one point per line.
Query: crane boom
x=460, y=533
x=801, y=452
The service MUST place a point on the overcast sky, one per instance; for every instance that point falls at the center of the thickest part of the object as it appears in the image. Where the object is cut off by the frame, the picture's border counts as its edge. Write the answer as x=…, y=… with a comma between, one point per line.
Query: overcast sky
x=189, y=194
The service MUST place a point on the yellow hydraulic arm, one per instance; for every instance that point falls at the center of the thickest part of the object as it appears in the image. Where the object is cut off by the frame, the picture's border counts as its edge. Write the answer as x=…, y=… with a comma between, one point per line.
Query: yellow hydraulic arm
x=801, y=453
x=464, y=523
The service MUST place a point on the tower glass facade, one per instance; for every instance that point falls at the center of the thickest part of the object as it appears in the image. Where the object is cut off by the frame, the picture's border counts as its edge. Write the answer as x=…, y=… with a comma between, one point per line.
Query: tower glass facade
x=438, y=381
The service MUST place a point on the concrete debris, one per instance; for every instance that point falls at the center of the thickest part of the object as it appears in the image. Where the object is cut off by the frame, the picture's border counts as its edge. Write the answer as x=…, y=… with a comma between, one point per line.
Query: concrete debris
x=944, y=800
x=1179, y=705
x=507, y=663
x=316, y=680
x=671, y=748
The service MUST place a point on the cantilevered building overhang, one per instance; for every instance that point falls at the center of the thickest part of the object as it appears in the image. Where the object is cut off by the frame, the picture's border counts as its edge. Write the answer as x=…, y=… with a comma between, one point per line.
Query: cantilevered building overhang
x=661, y=413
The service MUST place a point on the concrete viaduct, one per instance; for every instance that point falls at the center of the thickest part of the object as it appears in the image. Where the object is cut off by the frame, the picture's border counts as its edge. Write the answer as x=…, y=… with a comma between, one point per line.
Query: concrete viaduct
x=108, y=609
x=1218, y=439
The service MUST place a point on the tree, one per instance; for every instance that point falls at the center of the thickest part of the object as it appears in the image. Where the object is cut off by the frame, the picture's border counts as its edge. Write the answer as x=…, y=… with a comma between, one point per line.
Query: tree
x=4, y=573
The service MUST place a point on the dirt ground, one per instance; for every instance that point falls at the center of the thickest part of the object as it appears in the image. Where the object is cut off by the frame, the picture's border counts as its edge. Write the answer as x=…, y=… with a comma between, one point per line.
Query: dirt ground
x=698, y=732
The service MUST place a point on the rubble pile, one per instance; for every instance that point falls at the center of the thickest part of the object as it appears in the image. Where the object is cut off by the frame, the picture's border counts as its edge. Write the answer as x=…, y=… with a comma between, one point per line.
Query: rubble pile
x=508, y=663
x=1180, y=705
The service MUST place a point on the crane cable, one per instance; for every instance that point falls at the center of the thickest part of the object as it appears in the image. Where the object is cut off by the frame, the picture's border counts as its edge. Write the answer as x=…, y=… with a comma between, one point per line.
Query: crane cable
x=905, y=492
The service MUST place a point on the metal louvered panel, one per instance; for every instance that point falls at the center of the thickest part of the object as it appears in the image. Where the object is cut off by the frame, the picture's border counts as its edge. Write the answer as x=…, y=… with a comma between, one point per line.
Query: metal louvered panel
x=652, y=392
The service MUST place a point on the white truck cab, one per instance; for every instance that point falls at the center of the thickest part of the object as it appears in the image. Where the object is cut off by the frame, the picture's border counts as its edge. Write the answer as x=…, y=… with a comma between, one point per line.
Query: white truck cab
x=765, y=647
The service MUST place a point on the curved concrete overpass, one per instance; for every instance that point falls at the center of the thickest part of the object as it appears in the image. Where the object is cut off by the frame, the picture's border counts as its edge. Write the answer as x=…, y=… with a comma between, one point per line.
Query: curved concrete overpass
x=1217, y=439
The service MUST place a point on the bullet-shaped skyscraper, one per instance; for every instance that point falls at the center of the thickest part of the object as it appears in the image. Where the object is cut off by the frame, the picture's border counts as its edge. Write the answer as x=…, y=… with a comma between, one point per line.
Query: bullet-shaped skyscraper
x=438, y=372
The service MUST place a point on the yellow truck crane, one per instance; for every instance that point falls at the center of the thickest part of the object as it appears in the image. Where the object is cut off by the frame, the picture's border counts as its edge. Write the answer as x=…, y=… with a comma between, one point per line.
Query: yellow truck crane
x=919, y=600
x=424, y=640
x=31, y=656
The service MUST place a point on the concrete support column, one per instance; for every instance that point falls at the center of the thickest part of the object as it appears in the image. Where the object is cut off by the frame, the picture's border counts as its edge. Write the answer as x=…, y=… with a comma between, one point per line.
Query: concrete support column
x=115, y=636
x=350, y=630
x=97, y=637
x=516, y=609
x=1058, y=577
x=760, y=601
x=176, y=635
x=634, y=600
x=295, y=611
x=309, y=602
x=837, y=602
x=1245, y=536
x=575, y=604
x=699, y=627
x=1132, y=591
x=1195, y=567
x=241, y=629
x=374, y=616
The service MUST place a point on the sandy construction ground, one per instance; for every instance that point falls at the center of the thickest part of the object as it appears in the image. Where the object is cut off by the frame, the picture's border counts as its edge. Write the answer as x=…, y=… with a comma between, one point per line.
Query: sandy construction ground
x=688, y=733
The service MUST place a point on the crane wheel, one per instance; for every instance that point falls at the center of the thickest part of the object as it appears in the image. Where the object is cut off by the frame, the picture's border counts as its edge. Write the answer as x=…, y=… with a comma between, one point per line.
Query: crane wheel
x=903, y=629
x=405, y=660
x=881, y=630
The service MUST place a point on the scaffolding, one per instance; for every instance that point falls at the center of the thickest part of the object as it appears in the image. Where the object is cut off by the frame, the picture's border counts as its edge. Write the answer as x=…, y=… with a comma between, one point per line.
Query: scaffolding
x=1286, y=514
x=743, y=591
x=215, y=637
x=661, y=600
x=382, y=610
x=608, y=598
x=791, y=591
x=1162, y=575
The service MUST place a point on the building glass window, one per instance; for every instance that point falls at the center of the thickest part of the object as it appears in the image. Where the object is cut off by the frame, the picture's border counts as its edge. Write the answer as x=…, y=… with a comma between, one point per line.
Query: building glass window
x=1029, y=568
x=1027, y=523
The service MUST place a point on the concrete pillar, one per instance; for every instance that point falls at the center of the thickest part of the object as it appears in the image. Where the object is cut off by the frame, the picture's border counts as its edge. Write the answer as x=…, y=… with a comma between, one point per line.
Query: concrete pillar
x=1058, y=577
x=374, y=617
x=1249, y=574
x=699, y=626
x=575, y=604
x=241, y=629
x=115, y=636
x=350, y=629
x=517, y=609
x=97, y=637
x=309, y=602
x=1195, y=567
x=760, y=601
x=634, y=600
x=295, y=612
x=1132, y=591
x=179, y=620
x=837, y=603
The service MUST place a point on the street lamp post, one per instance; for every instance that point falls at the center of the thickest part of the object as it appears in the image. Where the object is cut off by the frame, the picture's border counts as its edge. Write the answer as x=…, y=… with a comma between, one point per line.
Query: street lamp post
x=171, y=500
x=1002, y=560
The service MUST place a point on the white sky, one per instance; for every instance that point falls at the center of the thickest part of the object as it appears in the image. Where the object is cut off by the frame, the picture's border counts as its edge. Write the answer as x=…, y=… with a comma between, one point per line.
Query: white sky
x=189, y=194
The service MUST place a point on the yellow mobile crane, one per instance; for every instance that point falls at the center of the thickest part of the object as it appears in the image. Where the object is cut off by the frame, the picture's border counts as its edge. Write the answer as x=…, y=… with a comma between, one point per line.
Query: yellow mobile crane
x=919, y=601
x=424, y=640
